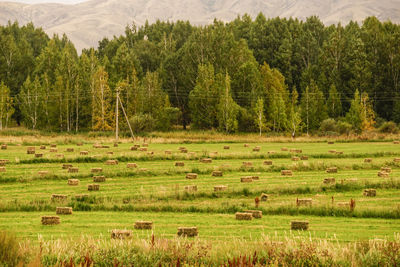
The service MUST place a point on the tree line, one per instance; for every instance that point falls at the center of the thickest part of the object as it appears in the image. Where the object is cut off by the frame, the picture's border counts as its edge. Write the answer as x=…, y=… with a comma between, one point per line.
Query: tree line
x=276, y=75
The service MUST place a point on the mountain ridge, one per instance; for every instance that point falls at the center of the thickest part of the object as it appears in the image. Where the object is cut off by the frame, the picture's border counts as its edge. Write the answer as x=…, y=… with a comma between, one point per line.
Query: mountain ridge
x=88, y=22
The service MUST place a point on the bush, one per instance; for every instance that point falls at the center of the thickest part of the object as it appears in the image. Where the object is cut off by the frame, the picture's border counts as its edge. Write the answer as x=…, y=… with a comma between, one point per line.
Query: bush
x=328, y=125
x=344, y=127
x=388, y=127
x=9, y=249
x=142, y=123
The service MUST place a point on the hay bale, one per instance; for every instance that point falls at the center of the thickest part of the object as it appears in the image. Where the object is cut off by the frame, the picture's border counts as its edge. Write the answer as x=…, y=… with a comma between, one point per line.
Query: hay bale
x=99, y=179
x=191, y=188
x=216, y=173
x=257, y=149
x=369, y=192
x=191, y=176
x=295, y=158
x=145, y=145
x=58, y=197
x=329, y=180
x=386, y=169
x=143, y=225
x=3, y=146
x=331, y=143
x=63, y=210
x=96, y=170
x=3, y=162
x=257, y=214
x=61, y=156
x=367, y=160
x=97, y=146
x=299, y=225
x=304, y=157
x=246, y=179
x=42, y=147
x=50, y=220
x=246, y=145
x=53, y=145
x=53, y=150
x=182, y=148
x=115, y=144
x=2, y=169
x=286, y=173
x=110, y=153
x=81, y=197
x=121, y=234
x=332, y=170
x=38, y=155
x=304, y=202
x=219, y=188
x=396, y=160
x=79, y=144
x=188, y=231
x=143, y=149
x=168, y=152
x=66, y=166
x=226, y=147
x=206, y=160
x=93, y=187
x=255, y=178
x=30, y=150
x=134, y=148
x=70, y=149
x=396, y=142
x=284, y=149
x=264, y=197
x=332, y=151
x=267, y=162
x=179, y=164
x=43, y=173
x=247, y=164
x=294, y=150
x=383, y=174
x=244, y=216
x=73, y=182
x=112, y=162
x=184, y=151
x=131, y=165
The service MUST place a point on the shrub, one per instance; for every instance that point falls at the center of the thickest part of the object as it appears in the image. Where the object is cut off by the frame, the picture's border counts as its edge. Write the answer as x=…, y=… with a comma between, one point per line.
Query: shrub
x=344, y=127
x=9, y=249
x=388, y=127
x=142, y=123
x=328, y=125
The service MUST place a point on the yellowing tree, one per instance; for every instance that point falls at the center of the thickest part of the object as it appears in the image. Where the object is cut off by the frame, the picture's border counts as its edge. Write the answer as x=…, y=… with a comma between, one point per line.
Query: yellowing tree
x=367, y=112
x=102, y=110
x=6, y=105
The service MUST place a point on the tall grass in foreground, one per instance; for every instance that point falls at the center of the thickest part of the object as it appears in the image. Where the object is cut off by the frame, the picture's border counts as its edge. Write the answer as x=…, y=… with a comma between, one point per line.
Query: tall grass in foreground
x=291, y=250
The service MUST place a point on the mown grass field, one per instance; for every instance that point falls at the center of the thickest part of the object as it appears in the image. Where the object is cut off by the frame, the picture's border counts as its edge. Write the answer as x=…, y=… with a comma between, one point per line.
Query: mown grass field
x=155, y=191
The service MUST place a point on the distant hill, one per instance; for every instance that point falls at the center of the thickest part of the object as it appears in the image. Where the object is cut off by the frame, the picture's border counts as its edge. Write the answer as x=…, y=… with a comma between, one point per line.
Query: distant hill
x=87, y=23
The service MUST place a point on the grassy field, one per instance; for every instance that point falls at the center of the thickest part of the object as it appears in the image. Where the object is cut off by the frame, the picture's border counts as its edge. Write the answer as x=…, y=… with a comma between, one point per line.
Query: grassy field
x=155, y=191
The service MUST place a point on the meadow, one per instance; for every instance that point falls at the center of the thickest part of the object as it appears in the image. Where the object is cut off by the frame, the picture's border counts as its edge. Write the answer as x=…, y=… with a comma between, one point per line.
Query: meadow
x=155, y=190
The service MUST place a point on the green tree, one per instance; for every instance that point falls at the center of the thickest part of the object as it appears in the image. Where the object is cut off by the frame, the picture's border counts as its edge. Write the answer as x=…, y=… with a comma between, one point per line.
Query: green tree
x=6, y=105
x=260, y=117
x=354, y=115
x=228, y=110
x=102, y=110
x=30, y=100
x=334, y=104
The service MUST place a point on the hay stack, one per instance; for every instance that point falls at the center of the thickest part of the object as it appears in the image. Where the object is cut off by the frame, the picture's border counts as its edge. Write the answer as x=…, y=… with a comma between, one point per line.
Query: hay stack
x=134, y=148
x=110, y=153
x=191, y=188
x=145, y=145
x=3, y=146
x=66, y=166
x=246, y=179
x=367, y=160
x=30, y=150
x=267, y=162
x=255, y=178
x=184, y=150
x=99, y=179
x=2, y=169
x=53, y=150
x=73, y=182
x=70, y=149
x=96, y=170
x=93, y=187
x=286, y=173
x=216, y=173
x=143, y=149
x=131, y=165
x=143, y=225
x=295, y=158
x=112, y=162
x=257, y=214
x=57, y=197
x=43, y=173
x=63, y=210
x=383, y=174
x=386, y=169
x=3, y=162
x=53, y=145
x=121, y=234
x=73, y=169
x=81, y=197
x=191, y=176
x=264, y=197
x=115, y=144
x=79, y=144
x=284, y=149
x=369, y=192
x=247, y=216
x=226, y=147
x=219, y=188
x=42, y=147
x=396, y=142
x=304, y=202
x=168, y=152
x=332, y=151
x=246, y=145
x=97, y=146
x=50, y=220
x=329, y=180
x=257, y=149
x=38, y=155
x=299, y=225
x=206, y=160
x=304, y=157
x=179, y=164
x=331, y=170
x=247, y=164
x=188, y=231
x=61, y=156
x=396, y=160
x=294, y=150
x=331, y=143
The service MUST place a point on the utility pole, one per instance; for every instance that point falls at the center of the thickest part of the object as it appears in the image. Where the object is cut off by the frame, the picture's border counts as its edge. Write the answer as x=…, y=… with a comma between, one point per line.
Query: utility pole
x=126, y=117
x=116, y=116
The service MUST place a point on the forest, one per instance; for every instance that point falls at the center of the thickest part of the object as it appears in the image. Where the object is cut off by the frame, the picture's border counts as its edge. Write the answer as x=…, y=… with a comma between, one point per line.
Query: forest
x=259, y=75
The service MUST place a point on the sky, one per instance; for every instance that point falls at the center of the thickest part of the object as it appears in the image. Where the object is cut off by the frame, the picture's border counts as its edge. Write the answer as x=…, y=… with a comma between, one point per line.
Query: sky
x=45, y=1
